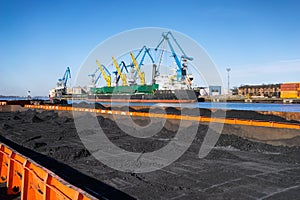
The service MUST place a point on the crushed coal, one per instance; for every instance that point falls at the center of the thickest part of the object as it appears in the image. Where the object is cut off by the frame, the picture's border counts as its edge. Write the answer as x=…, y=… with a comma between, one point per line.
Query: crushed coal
x=233, y=164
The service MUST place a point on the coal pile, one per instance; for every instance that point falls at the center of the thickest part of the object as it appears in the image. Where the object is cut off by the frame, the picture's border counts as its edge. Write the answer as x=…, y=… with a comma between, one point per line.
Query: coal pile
x=235, y=168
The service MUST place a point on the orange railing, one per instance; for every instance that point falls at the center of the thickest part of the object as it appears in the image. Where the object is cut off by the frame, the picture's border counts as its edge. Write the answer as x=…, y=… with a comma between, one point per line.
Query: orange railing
x=172, y=116
x=33, y=181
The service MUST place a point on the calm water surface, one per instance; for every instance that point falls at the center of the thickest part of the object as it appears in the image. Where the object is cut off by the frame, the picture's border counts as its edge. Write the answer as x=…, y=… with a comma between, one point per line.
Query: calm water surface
x=230, y=106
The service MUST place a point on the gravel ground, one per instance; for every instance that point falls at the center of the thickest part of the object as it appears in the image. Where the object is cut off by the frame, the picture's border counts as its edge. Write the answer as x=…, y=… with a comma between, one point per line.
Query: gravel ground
x=236, y=168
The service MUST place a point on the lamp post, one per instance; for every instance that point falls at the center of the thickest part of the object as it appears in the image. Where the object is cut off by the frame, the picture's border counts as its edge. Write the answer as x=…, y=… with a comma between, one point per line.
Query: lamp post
x=228, y=70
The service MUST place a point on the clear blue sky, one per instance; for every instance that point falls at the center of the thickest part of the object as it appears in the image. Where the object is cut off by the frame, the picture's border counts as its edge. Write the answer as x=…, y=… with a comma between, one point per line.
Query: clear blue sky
x=259, y=40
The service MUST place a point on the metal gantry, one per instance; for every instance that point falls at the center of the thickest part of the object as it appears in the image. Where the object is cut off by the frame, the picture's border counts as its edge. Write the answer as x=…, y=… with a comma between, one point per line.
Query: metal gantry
x=141, y=75
x=138, y=60
x=119, y=72
x=62, y=82
x=181, y=68
x=105, y=73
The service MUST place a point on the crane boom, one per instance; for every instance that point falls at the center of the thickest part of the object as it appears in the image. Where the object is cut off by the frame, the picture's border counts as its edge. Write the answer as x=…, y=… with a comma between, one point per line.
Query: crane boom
x=175, y=56
x=184, y=55
x=61, y=88
x=147, y=51
x=67, y=76
x=123, y=76
x=165, y=37
x=107, y=78
x=93, y=75
x=141, y=75
x=180, y=69
x=124, y=66
x=97, y=79
x=62, y=82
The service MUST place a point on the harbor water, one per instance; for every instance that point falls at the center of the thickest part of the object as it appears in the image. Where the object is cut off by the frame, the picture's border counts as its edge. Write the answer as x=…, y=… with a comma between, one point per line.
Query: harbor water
x=209, y=105
x=217, y=105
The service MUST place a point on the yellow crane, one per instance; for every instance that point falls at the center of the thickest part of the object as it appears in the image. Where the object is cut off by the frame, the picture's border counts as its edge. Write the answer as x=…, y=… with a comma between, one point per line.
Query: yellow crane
x=141, y=75
x=122, y=76
x=107, y=78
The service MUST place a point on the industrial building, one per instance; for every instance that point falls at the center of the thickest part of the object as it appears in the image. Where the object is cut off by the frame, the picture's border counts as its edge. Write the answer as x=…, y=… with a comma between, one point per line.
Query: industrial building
x=268, y=90
x=214, y=90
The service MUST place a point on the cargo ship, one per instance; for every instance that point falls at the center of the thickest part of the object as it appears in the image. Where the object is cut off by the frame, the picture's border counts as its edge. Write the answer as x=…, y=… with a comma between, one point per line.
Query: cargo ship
x=141, y=94
x=163, y=88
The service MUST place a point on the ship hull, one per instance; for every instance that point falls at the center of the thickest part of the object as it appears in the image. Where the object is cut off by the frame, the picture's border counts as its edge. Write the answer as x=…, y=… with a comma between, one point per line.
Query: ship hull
x=143, y=100
x=160, y=96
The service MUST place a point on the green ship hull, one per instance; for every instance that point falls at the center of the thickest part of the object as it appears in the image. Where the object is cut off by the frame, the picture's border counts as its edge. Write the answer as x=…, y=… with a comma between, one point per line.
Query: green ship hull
x=133, y=89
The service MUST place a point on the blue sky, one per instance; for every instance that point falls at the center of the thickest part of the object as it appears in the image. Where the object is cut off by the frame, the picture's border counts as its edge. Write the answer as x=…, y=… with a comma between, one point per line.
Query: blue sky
x=259, y=40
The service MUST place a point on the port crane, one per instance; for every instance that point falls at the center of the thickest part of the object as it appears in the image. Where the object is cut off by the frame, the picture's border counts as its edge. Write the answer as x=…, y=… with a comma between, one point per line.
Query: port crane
x=146, y=52
x=181, y=68
x=154, y=67
x=61, y=86
x=94, y=80
x=141, y=75
x=124, y=66
x=62, y=82
x=119, y=71
x=105, y=73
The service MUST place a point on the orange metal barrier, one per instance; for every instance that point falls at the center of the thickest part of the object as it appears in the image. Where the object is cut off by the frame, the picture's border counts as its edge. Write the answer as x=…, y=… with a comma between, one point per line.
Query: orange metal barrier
x=171, y=116
x=34, y=182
